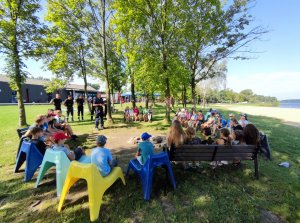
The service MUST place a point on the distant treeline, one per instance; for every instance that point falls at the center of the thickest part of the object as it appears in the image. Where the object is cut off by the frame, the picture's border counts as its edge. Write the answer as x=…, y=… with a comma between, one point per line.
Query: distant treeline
x=230, y=96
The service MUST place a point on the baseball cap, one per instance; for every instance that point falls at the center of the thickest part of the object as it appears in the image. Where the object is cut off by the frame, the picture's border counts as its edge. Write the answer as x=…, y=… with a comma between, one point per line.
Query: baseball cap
x=59, y=136
x=145, y=136
x=101, y=139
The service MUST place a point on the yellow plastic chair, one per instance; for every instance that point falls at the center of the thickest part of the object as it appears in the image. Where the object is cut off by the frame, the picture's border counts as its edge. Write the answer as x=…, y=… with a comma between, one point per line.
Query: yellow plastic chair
x=96, y=184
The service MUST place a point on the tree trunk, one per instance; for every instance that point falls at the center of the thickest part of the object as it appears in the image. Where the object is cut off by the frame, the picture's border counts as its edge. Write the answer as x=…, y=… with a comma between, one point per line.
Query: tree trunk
x=164, y=64
x=132, y=89
x=146, y=101
x=18, y=82
x=153, y=98
x=104, y=60
x=83, y=73
x=193, y=86
x=184, y=96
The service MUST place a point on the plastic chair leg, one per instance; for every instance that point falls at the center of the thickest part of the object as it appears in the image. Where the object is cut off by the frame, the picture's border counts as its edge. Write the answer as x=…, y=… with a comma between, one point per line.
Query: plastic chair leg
x=68, y=184
x=61, y=175
x=20, y=160
x=171, y=175
x=148, y=185
x=44, y=168
x=120, y=175
x=128, y=169
x=95, y=200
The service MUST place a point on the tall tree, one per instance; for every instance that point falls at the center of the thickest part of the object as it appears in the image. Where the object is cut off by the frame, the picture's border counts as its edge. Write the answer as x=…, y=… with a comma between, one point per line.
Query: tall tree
x=20, y=29
x=157, y=28
x=67, y=50
x=216, y=30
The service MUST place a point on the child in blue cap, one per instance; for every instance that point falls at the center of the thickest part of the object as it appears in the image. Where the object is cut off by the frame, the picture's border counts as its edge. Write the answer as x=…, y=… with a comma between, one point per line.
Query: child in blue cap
x=145, y=148
x=102, y=157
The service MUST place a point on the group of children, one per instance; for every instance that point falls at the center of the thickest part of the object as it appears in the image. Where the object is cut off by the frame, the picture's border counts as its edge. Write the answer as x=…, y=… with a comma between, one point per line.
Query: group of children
x=51, y=131
x=138, y=114
x=214, y=129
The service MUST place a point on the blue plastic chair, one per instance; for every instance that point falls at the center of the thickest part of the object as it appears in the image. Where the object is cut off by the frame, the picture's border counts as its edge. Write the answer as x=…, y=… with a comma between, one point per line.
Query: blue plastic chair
x=33, y=157
x=146, y=171
x=62, y=163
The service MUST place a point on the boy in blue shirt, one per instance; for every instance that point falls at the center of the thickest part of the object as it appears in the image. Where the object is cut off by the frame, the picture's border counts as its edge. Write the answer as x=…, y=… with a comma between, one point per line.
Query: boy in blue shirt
x=102, y=157
x=145, y=148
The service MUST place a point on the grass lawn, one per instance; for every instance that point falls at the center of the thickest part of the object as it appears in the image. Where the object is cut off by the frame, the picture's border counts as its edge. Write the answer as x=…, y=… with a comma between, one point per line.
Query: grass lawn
x=225, y=194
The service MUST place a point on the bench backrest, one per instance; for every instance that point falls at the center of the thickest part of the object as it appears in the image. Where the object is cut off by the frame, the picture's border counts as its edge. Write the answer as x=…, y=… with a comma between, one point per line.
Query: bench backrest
x=22, y=131
x=213, y=153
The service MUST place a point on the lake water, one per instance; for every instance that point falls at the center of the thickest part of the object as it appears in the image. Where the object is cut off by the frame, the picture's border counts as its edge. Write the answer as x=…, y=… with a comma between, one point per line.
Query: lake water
x=290, y=104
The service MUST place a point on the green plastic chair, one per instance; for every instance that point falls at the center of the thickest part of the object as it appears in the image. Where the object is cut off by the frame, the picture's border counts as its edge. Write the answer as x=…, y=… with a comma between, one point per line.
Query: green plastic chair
x=62, y=163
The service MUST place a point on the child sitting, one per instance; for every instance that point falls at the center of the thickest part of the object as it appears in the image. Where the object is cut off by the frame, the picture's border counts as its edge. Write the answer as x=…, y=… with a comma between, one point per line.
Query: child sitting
x=59, y=140
x=207, y=136
x=37, y=139
x=145, y=148
x=102, y=157
x=127, y=114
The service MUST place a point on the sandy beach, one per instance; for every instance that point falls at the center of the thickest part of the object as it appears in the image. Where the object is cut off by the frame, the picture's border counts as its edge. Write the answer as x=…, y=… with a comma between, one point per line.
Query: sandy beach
x=290, y=116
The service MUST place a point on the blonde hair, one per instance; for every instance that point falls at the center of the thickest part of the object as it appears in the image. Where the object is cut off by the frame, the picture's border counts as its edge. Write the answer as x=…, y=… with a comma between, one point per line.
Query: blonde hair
x=176, y=135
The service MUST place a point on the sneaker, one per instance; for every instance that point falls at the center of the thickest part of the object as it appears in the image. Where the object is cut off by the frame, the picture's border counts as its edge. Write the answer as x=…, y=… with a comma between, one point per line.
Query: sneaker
x=96, y=128
x=101, y=127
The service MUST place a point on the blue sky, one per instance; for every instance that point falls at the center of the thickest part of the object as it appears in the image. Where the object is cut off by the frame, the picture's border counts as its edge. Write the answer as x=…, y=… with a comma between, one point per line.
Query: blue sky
x=275, y=71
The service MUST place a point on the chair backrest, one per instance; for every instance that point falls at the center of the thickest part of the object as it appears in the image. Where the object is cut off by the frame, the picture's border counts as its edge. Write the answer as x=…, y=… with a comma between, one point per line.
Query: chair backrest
x=22, y=131
x=214, y=152
x=57, y=157
x=84, y=170
x=156, y=159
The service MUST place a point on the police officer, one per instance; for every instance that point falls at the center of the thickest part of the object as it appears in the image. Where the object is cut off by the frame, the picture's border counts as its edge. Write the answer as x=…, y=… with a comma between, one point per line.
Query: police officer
x=98, y=105
x=69, y=104
x=80, y=102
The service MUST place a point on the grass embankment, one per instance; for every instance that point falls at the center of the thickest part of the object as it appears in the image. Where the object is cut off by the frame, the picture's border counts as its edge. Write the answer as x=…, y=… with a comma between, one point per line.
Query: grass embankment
x=222, y=195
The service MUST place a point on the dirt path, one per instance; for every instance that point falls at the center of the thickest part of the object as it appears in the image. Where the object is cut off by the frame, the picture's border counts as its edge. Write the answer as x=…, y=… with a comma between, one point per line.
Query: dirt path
x=121, y=142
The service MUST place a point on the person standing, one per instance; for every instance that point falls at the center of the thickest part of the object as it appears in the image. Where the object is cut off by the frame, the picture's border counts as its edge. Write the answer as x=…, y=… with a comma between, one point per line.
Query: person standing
x=69, y=104
x=56, y=102
x=80, y=102
x=99, y=111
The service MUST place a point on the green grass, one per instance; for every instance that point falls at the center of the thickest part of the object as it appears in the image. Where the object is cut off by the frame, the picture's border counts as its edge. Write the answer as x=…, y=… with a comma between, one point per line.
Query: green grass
x=225, y=194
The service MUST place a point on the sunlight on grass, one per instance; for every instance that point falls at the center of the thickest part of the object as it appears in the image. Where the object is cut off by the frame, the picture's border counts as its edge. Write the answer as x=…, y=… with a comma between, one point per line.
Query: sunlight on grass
x=224, y=194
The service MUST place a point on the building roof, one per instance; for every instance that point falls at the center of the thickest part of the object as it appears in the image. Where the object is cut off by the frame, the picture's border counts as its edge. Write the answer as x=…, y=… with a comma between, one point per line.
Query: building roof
x=28, y=81
x=77, y=87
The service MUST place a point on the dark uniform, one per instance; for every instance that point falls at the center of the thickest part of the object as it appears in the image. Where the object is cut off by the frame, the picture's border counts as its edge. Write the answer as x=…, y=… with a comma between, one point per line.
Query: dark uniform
x=99, y=112
x=69, y=104
x=80, y=102
x=57, y=103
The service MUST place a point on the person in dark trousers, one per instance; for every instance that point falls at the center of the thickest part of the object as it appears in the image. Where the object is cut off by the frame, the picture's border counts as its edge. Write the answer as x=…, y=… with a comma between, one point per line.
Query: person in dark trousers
x=90, y=101
x=80, y=102
x=99, y=111
x=69, y=104
x=56, y=102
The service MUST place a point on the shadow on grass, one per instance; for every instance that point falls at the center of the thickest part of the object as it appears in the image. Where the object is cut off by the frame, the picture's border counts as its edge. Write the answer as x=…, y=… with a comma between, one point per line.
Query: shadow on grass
x=225, y=194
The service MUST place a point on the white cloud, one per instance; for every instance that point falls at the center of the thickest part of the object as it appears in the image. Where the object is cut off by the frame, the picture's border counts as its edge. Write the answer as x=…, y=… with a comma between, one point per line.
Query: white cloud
x=283, y=85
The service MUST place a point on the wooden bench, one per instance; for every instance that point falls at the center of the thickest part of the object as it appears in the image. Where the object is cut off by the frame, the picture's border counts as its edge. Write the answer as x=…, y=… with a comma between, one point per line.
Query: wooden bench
x=215, y=153
x=22, y=132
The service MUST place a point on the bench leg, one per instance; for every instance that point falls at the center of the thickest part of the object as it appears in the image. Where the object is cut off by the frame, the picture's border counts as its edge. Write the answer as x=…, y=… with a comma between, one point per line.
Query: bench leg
x=256, y=168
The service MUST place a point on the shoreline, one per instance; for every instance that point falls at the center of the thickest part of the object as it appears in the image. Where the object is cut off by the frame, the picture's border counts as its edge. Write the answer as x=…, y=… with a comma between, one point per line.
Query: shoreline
x=288, y=116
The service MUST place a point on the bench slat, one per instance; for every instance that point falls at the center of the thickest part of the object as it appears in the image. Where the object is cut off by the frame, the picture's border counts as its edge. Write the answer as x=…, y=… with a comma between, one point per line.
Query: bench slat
x=206, y=158
x=220, y=150
x=210, y=154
